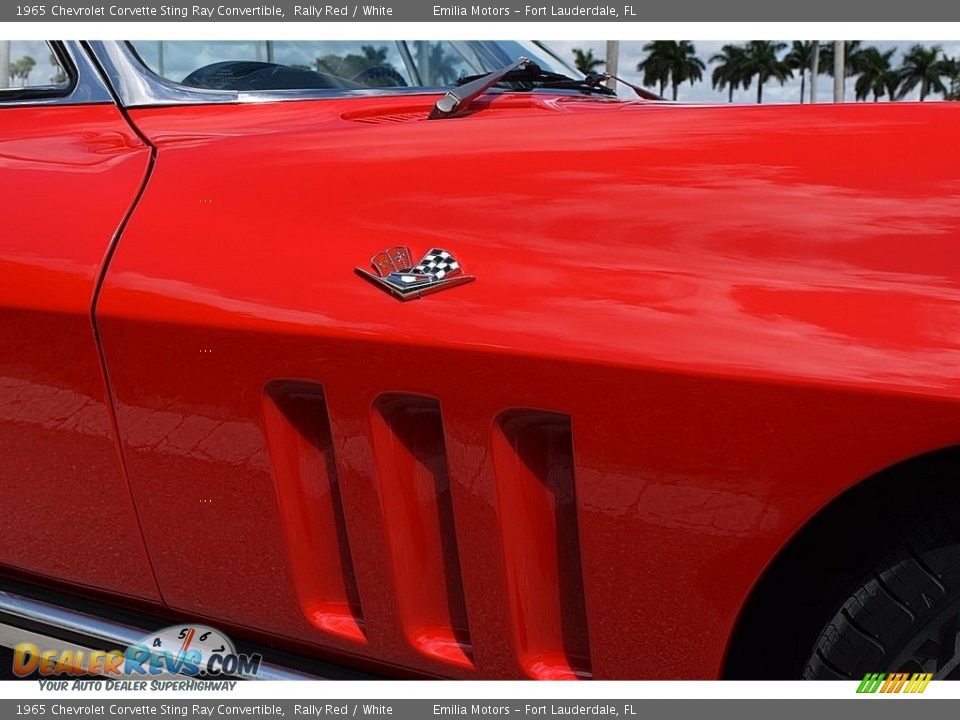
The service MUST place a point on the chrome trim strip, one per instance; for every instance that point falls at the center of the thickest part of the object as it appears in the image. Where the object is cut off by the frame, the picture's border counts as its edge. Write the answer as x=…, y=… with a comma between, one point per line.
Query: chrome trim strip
x=112, y=634
x=137, y=86
x=90, y=88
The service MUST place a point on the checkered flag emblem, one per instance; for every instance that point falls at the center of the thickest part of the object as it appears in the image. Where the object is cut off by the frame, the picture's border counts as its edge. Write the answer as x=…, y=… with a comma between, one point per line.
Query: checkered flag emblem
x=396, y=273
x=438, y=264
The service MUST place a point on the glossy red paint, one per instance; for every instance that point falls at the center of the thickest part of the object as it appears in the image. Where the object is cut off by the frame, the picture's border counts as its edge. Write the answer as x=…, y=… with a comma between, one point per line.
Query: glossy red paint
x=740, y=312
x=532, y=454
x=308, y=494
x=68, y=176
x=414, y=489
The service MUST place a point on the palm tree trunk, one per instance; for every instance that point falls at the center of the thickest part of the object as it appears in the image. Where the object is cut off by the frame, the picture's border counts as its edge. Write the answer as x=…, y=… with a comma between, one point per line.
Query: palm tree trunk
x=803, y=83
x=759, y=91
x=730, y=93
x=814, y=70
x=675, y=86
x=4, y=63
x=613, y=62
x=839, y=70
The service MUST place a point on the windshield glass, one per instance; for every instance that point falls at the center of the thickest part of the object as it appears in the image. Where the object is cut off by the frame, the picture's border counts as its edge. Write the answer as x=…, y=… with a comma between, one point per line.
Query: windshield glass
x=355, y=64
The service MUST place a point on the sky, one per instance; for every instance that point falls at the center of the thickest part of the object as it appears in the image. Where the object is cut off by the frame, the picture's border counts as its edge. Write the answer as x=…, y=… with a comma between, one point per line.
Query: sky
x=631, y=53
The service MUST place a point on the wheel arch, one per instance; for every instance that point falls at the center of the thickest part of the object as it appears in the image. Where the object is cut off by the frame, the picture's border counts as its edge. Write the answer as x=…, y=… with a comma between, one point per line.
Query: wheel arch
x=809, y=578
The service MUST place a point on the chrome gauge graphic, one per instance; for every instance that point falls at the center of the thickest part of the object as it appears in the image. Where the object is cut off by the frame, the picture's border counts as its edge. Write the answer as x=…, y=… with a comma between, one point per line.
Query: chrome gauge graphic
x=182, y=650
x=205, y=640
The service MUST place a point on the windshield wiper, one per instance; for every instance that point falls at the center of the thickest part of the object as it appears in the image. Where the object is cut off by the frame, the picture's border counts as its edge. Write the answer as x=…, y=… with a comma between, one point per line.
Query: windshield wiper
x=525, y=73
x=458, y=99
x=595, y=79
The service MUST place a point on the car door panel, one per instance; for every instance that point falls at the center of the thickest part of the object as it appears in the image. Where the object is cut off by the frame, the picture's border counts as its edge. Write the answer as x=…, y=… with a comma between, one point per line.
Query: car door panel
x=68, y=175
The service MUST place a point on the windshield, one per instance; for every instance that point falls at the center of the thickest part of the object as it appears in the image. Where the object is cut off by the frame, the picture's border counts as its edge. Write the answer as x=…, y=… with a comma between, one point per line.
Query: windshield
x=358, y=64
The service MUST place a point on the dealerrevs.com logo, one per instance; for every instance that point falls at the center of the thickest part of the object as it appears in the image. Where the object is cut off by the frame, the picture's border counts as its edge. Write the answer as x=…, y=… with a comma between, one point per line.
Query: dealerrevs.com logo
x=895, y=682
x=190, y=650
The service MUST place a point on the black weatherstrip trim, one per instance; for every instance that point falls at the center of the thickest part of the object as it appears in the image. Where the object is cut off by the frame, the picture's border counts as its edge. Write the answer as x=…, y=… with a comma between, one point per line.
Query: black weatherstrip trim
x=104, y=267
x=104, y=369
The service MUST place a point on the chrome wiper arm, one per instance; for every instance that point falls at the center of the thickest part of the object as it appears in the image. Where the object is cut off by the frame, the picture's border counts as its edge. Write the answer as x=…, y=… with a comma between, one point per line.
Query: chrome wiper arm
x=595, y=79
x=459, y=98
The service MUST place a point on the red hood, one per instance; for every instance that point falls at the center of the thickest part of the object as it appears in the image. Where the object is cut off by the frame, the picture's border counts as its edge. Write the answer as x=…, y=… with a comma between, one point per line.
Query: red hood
x=819, y=242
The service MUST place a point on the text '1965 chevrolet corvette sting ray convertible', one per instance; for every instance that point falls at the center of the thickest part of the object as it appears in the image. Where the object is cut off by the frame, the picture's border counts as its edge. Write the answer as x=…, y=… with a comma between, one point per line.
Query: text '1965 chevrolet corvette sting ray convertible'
x=441, y=359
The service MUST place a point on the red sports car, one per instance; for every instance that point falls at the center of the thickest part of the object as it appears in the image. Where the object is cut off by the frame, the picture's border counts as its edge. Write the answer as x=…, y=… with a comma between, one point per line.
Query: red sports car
x=441, y=359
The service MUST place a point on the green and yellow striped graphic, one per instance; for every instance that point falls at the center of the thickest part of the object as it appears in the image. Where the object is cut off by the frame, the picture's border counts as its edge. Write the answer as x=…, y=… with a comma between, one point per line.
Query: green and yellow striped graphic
x=895, y=682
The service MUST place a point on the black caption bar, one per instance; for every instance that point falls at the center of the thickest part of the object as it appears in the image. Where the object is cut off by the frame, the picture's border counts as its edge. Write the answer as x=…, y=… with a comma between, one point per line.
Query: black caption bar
x=499, y=10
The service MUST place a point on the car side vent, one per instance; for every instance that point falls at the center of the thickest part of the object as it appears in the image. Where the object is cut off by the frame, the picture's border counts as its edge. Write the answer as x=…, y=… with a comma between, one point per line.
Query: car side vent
x=387, y=118
x=533, y=465
x=297, y=429
x=411, y=458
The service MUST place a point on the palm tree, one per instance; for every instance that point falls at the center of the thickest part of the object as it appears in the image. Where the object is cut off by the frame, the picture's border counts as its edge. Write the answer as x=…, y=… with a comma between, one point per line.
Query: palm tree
x=442, y=66
x=762, y=60
x=729, y=70
x=924, y=67
x=59, y=75
x=671, y=61
x=21, y=69
x=814, y=70
x=951, y=68
x=800, y=58
x=374, y=55
x=654, y=67
x=352, y=64
x=851, y=55
x=874, y=69
x=891, y=83
x=585, y=61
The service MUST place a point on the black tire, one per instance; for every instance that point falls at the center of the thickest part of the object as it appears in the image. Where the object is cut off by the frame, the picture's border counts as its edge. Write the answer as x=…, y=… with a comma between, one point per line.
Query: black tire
x=905, y=614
